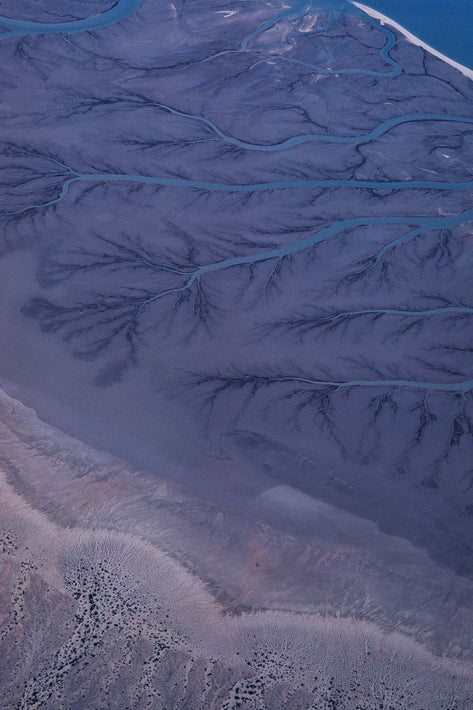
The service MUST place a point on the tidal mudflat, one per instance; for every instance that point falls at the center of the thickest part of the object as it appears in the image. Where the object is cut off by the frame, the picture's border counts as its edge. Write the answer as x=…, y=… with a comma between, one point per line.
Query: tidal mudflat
x=236, y=416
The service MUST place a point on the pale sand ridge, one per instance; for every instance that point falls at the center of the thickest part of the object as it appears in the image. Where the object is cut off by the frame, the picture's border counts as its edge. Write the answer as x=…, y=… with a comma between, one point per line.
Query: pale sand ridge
x=384, y=20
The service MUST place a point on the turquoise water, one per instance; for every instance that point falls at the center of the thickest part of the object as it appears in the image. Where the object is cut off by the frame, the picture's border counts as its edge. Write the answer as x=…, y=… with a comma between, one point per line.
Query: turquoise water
x=119, y=12
x=447, y=25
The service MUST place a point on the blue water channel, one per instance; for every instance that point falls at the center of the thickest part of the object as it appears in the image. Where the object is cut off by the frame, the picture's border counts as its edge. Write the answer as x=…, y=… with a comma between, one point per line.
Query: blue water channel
x=445, y=25
x=429, y=19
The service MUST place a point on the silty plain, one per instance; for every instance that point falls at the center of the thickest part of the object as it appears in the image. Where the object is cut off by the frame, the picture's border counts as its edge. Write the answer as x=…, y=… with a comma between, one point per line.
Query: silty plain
x=236, y=420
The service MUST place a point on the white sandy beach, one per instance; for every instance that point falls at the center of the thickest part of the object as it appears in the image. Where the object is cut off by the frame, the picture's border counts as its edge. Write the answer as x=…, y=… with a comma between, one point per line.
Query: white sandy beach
x=384, y=20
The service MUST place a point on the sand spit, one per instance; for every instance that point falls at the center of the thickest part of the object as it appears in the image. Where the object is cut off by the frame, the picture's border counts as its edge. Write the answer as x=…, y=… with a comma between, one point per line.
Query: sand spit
x=384, y=20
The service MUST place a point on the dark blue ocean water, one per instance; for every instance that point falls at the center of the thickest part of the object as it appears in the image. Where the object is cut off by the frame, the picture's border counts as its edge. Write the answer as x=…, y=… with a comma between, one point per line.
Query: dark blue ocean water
x=447, y=25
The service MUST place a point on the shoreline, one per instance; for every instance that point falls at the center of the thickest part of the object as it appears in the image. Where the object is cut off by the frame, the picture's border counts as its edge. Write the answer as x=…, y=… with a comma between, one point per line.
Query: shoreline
x=385, y=20
x=189, y=617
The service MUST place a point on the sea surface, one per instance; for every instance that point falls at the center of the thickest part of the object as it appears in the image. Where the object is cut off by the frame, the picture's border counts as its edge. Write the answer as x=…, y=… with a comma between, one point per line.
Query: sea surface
x=236, y=374
x=446, y=25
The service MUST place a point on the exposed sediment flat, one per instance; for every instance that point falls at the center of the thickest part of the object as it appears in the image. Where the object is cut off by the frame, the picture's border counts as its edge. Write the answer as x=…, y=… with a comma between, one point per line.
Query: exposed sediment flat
x=236, y=424
x=415, y=40
x=97, y=583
